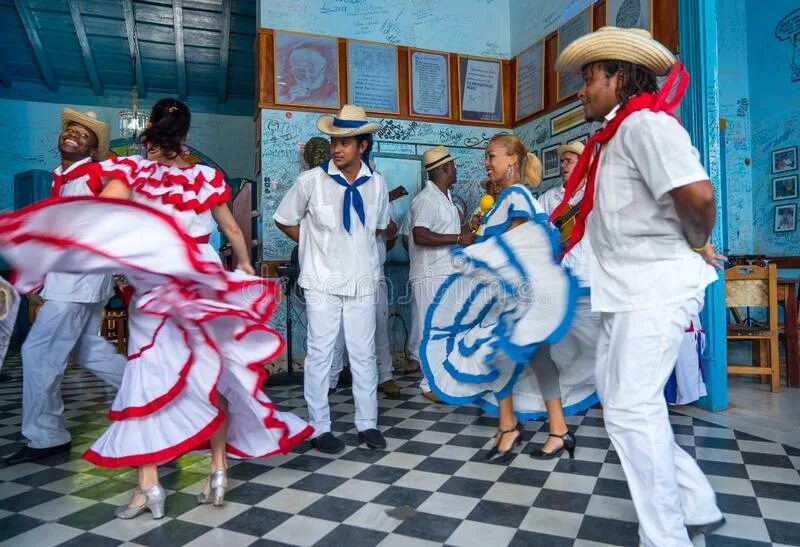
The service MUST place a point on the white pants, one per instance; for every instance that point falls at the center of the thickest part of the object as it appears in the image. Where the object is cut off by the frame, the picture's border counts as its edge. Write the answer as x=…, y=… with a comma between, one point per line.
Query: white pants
x=636, y=352
x=423, y=291
x=59, y=328
x=382, y=349
x=355, y=316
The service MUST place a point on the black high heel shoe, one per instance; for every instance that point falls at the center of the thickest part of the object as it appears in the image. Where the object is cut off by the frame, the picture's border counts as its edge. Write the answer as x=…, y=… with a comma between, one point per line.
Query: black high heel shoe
x=569, y=445
x=495, y=455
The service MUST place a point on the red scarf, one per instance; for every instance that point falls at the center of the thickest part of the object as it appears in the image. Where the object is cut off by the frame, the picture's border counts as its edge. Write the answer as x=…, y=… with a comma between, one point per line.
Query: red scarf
x=590, y=158
x=93, y=182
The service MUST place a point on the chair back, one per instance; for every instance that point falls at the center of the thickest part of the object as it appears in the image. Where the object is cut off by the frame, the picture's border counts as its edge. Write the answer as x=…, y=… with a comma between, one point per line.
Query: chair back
x=753, y=286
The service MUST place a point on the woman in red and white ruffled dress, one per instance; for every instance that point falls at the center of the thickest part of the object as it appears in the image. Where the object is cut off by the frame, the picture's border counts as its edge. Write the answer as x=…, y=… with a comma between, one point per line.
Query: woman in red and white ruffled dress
x=198, y=334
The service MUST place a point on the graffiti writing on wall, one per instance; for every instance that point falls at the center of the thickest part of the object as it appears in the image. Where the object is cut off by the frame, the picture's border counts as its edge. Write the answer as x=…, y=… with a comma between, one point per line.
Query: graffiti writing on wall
x=789, y=30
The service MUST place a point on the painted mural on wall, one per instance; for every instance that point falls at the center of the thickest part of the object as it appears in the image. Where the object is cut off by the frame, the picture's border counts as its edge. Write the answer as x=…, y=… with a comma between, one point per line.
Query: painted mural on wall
x=283, y=137
x=475, y=27
x=228, y=140
x=788, y=30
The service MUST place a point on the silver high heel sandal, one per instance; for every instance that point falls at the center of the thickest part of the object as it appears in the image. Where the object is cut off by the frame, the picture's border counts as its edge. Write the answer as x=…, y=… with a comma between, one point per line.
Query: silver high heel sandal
x=217, y=484
x=154, y=498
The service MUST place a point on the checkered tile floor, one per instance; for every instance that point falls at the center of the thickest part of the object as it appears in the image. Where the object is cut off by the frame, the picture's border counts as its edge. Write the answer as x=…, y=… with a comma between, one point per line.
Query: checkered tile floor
x=430, y=487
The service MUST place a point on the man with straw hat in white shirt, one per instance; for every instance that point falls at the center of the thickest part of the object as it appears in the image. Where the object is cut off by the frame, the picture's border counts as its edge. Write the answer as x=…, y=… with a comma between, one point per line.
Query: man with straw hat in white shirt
x=334, y=212
x=653, y=210
x=435, y=227
x=69, y=319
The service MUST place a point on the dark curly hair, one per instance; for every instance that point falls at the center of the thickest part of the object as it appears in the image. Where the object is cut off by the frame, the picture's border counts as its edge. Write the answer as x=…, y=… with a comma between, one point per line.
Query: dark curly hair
x=633, y=80
x=169, y=126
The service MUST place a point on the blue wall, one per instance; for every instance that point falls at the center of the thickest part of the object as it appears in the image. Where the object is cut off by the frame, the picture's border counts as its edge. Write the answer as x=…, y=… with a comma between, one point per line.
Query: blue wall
x=734, y=94
x=474, y=27
x=774, y=115
x=32, y=130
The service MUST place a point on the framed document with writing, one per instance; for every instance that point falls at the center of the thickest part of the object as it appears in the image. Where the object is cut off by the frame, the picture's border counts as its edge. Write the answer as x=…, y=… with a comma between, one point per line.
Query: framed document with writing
x=306, y=70
x=580, y=25
x=481, y=85
x=629, y=14
x=429, y=82
x=372, y=77
x=530, y=81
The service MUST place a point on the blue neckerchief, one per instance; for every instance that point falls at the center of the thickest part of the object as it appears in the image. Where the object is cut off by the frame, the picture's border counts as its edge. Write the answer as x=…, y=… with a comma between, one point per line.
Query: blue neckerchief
x=351, y=195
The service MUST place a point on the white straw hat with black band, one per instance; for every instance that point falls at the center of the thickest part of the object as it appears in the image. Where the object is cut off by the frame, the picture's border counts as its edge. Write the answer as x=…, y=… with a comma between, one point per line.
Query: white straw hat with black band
x=436, y=156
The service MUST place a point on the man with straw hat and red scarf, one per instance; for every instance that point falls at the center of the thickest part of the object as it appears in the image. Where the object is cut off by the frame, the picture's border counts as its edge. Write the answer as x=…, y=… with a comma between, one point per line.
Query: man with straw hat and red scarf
x=69, y=319
x=334, y=212
x=653, y=210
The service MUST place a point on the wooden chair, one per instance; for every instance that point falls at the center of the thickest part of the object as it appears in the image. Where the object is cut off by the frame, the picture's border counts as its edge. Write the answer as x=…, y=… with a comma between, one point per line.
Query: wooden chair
x=754, y=286
x=114, y=328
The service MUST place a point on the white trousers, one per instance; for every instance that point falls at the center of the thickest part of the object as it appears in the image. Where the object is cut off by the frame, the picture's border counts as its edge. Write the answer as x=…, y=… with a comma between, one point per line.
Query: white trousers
x=423, y=291
x=355, y=316
x=636, y=353
x=383, y=350
x=60, y=328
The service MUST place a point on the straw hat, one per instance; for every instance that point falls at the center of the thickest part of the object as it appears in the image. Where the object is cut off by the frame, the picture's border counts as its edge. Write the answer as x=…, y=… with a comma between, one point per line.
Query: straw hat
x=349, y=122
x=88, y=120
x=436, y=156
x=634, y=45
x=576, y=147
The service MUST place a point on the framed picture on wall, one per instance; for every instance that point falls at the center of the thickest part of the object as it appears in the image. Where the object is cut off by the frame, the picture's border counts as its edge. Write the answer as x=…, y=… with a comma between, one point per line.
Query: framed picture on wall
x=481, y=85
x=629, y=14
x=568, y=84
x=784, y=187
x=530, y=81
x=784, y=159
x=786, y=218
x=551, y=166
x=567, y=120
x=372, y=78
x=429, y=83
x=306, y=70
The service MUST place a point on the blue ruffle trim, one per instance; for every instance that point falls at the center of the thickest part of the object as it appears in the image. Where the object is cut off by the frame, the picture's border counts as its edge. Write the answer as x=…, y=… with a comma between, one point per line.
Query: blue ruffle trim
x=519, y=355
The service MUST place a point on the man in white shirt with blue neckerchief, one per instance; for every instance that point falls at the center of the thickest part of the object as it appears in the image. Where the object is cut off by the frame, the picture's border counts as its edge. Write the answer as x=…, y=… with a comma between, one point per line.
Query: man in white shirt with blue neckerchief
x=334, y=212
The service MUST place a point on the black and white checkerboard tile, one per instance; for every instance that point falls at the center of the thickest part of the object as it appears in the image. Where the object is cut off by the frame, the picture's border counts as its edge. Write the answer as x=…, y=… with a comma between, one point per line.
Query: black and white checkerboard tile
x=431, y=486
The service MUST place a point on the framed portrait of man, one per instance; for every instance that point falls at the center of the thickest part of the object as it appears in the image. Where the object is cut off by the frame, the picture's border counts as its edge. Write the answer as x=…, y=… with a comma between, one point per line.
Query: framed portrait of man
x=306, y=70
x=784, y=187
x=784, y=159
x=786, y=218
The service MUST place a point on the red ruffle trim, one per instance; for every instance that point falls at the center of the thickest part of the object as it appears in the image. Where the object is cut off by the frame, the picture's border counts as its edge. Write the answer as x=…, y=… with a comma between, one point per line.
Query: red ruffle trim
x=141, y=174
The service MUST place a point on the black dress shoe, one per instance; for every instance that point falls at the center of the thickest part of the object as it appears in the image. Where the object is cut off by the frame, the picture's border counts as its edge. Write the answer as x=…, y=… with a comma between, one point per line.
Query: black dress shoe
x=327, y=443
x=373, y=438
x=28, y=454
x=495, y=455
x=569, y=445
x=695, y=529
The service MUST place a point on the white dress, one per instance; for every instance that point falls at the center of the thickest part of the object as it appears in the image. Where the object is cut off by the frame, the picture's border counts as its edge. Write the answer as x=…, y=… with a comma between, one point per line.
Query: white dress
x=195, y=330
x=488, y=319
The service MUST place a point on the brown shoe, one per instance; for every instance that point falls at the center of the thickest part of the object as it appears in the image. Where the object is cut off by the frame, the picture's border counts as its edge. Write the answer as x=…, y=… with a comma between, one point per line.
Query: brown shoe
x=431, y=397
x=389, y=387
x=411, y=366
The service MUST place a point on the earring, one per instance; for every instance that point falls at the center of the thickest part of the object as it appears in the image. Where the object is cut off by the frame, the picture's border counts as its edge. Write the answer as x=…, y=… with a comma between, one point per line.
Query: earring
x=510, y=171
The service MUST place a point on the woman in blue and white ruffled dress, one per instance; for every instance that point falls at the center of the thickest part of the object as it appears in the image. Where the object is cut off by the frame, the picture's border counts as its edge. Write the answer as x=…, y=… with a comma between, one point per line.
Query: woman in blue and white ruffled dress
x=509, y=297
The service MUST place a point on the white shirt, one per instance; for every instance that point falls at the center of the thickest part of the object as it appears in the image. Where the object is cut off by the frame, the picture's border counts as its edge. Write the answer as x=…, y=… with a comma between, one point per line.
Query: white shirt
x=67, y=287
x=434, y=210
x=331, y=259
x=578, y=259
x=641, y=257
